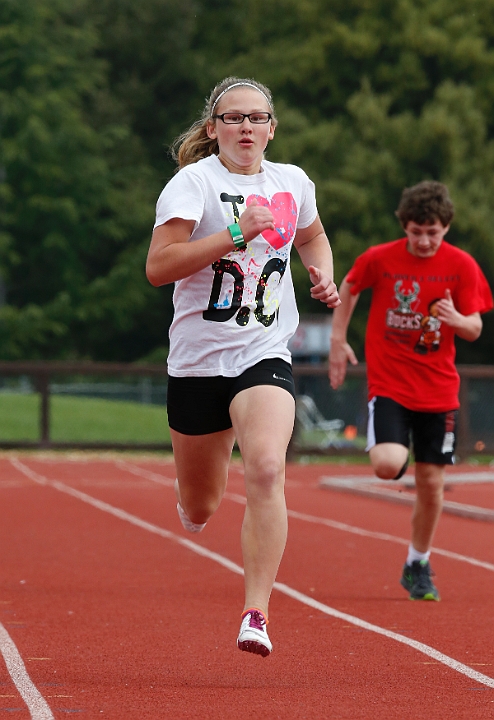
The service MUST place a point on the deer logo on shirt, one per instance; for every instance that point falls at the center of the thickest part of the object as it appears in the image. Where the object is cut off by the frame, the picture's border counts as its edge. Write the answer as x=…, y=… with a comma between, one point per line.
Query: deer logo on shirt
x=406, y=298
x=404, y=317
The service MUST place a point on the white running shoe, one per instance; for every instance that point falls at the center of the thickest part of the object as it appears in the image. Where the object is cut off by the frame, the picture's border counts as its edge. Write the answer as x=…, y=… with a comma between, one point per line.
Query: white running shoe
x=253, y=635
x=188, y=524
x=184, y=519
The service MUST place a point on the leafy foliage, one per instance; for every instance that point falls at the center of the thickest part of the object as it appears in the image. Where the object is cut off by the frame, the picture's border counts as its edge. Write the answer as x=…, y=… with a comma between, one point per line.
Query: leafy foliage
x=76, y=192
x=371, y=95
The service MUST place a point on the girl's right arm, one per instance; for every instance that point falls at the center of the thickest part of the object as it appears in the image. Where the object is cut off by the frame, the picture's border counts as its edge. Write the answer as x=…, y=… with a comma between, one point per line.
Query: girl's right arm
x=172, y=257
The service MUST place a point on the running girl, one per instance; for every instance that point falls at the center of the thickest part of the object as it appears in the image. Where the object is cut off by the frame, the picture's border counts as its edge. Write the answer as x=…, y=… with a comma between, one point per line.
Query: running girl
x=225, y=226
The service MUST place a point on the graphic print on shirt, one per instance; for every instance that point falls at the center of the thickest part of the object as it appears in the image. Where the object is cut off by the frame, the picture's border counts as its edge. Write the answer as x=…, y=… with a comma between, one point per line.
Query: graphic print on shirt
x=284, y=209
x=250, y=283
x=403, y=319
x=233, y=199
x=430, y=338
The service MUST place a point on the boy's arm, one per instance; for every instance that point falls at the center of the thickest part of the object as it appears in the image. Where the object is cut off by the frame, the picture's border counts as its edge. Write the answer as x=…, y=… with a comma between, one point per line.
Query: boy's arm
x=468, y=327
x=315, y=252
x=341, y=353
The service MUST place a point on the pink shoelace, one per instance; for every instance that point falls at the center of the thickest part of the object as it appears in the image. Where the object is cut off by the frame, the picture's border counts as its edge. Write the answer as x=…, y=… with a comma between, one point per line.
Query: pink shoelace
x=257, y=620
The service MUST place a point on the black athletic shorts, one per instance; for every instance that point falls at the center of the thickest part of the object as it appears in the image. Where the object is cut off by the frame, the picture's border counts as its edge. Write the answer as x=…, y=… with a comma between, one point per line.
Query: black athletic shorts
x=433, y=434
x=201, y=405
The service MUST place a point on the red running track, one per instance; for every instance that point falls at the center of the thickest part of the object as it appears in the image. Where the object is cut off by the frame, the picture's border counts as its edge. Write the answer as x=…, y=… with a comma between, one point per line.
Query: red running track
x=108, y=609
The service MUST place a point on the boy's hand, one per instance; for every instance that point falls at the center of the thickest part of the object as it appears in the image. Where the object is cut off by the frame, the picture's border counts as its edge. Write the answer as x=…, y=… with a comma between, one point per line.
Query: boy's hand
x=446, y=311
x=324, y=289
x=340, y=355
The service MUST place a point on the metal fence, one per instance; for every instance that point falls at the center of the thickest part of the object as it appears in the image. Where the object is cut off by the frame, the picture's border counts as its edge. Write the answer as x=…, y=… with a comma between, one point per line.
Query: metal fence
x=139, y=384
x=328, y=422
x=349, y=403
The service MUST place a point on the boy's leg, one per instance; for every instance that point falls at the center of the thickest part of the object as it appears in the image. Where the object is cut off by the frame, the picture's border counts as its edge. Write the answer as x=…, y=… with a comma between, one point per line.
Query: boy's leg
x=388, y=460
x=388, y=433
x=263, y=418
x=434, y=440
x=416, y=576
x=429, y=482
x=388, y=437
x=202, y=470
x=434, y=437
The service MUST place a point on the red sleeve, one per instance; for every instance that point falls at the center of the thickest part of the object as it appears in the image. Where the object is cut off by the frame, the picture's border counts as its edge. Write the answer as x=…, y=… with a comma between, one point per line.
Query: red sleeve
x=362, y=274
x=474, y=295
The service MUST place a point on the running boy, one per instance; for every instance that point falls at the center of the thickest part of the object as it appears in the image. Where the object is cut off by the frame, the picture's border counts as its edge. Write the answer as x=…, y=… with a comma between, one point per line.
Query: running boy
x=424, y=292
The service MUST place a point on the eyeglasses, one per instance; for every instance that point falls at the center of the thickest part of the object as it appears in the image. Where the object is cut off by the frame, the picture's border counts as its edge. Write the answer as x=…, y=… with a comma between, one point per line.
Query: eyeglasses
x=257, y=118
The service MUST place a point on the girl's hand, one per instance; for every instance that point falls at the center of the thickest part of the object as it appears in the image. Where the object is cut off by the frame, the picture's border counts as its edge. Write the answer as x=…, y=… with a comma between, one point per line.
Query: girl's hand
x=254, y=220
x=324, y=289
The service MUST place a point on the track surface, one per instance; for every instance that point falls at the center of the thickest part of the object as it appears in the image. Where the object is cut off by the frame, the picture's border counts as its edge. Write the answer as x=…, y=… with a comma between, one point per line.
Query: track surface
x=105, y=612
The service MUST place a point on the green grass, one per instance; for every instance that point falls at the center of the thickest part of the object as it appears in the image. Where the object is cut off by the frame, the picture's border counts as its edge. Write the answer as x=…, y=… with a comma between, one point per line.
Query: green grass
x=94, y=420
x=332, y=459
x=19, y=417
x=480, y=459
x=83, y=420
x=318, y=437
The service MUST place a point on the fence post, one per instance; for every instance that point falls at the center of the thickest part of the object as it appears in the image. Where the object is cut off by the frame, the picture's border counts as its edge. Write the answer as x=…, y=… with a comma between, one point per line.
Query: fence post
x=291, y=451
x=44, y=418
x=464, y=443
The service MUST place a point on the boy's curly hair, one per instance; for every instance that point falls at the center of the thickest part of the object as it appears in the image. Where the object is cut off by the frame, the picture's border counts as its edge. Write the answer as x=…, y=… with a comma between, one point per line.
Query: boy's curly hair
x=425, y=203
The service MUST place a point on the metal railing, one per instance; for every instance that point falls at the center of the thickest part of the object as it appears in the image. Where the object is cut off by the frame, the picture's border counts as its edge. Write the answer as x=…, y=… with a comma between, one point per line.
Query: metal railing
x=475, y=431
x=476, y=418
x=42, y=374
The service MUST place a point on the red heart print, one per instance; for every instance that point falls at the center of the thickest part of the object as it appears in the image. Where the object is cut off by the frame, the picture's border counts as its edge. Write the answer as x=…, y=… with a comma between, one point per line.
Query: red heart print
x=284, y=210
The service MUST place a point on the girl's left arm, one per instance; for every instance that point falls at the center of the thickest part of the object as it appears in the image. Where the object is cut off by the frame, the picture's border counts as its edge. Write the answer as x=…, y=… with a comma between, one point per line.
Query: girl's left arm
x=315, y=252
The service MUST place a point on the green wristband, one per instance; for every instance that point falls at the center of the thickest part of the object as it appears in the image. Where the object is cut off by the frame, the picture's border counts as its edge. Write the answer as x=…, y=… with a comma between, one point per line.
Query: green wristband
x=237, y=237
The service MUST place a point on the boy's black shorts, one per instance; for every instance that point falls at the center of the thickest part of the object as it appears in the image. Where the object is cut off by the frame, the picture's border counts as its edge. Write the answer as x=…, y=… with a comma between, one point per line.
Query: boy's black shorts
x=433, y=434
x=201, y=405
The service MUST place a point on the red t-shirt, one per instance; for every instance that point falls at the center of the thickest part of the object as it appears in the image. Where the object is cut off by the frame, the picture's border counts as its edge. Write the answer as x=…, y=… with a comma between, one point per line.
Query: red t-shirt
x=410, y=354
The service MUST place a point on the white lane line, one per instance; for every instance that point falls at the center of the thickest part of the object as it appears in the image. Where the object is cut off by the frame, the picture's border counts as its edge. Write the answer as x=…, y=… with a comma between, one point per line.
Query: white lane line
x=141, y=472
x=35, y=702
x=344, y=527
x=281, y=587
x=421, y=647
x=390, y=538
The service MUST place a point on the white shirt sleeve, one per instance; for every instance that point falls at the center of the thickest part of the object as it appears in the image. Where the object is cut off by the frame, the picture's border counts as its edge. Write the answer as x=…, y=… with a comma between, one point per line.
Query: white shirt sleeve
x=308, y=208
x=183, y=197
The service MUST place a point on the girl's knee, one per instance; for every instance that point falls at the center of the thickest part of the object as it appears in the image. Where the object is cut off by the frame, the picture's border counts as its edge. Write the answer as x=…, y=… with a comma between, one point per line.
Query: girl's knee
x=199, y=501
x=266, y=473
x=199, y=510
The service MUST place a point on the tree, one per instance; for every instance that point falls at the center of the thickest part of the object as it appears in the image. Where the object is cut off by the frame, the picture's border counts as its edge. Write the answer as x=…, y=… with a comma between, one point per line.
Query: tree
x=371, y=97
x=76, y=193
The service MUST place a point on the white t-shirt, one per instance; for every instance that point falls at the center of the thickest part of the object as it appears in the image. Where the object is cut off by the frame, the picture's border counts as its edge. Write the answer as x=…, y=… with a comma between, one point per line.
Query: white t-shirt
x=241, y=309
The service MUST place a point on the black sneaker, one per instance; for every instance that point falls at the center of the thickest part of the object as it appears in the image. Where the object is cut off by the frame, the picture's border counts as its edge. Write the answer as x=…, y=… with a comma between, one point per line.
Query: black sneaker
x=416, y=579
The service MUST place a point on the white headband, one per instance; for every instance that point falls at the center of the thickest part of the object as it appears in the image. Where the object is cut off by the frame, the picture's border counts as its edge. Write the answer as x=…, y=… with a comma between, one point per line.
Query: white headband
x=240, y=84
